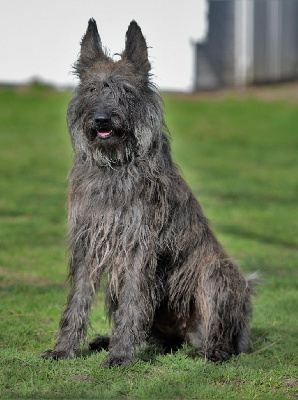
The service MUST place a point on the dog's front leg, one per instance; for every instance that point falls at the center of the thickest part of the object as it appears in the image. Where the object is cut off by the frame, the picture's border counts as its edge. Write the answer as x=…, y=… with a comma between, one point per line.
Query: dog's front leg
x=133, y=316
x=74, y=321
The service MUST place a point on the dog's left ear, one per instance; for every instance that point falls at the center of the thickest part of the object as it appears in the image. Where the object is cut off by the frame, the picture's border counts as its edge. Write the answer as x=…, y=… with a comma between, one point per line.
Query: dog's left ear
x=136, y=49
x=91, y=49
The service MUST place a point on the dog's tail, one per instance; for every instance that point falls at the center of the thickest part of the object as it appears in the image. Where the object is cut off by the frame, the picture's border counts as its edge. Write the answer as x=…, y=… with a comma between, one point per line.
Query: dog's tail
x=254, y=280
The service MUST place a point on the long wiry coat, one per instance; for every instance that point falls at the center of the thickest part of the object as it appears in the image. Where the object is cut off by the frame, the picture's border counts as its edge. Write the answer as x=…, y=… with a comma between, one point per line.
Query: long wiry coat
x=132, y=216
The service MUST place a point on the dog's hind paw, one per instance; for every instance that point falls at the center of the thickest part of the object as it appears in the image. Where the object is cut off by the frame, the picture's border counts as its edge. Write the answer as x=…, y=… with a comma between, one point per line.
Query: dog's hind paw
x=57, y=354
x=99, y=343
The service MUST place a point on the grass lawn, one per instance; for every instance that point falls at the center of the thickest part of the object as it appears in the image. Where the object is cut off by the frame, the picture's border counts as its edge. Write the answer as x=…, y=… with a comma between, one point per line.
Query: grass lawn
x=239, y=154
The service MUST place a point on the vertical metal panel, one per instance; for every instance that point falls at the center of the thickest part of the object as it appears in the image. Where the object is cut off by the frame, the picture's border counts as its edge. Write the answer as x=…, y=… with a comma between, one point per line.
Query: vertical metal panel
x=215, y=57
x=274, y=32
x=260, y=42
x=289, y=39
x=243, y=32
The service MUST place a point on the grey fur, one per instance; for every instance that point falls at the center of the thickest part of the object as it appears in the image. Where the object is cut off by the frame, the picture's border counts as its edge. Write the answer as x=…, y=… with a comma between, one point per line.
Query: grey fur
x=132, y=216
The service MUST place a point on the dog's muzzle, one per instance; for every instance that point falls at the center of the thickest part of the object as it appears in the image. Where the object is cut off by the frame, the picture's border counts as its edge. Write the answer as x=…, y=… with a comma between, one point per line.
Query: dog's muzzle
x=103, y=123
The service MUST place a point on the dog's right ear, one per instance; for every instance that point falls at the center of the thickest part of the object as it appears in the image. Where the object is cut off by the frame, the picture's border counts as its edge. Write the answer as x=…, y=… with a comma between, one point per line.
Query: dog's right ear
x=91, y=50
x=136, y=49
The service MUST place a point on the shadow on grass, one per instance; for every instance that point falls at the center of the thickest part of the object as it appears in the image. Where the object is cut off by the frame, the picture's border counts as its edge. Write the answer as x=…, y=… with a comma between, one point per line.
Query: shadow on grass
x=253, y=235
x=151, y=353
x=147, y=353
x=31, y=289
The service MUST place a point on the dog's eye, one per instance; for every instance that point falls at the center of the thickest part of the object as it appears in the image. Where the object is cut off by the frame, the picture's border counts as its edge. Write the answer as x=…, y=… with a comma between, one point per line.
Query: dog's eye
x=93, y=90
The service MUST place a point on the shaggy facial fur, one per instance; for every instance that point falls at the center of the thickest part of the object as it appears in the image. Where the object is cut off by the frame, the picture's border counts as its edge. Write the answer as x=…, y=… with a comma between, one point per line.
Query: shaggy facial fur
x=132, y=216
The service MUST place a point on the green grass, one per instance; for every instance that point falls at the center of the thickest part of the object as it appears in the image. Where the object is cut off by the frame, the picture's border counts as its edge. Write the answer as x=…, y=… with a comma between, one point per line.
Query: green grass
x=239, y=155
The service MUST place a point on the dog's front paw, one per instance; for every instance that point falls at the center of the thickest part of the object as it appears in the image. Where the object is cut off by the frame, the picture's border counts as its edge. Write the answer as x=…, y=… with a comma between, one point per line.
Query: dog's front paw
x=119, y=359
x=57, y=354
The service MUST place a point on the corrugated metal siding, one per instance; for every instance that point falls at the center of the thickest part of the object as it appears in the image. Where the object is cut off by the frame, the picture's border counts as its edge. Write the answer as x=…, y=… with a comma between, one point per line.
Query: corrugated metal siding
x=275, y=44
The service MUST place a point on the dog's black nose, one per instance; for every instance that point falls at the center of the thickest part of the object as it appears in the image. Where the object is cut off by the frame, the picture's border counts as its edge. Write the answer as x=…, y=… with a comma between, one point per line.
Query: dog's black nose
x=102, y=119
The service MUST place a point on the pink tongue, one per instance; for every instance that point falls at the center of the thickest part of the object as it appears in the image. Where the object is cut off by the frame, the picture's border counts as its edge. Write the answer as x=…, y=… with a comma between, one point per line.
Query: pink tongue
x=103, y=133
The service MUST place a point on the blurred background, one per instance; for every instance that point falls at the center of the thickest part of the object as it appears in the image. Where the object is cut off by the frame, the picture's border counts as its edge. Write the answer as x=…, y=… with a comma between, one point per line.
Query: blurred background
x=228, y=70
x=248, y=42
x=195, y=44
x=41, y=39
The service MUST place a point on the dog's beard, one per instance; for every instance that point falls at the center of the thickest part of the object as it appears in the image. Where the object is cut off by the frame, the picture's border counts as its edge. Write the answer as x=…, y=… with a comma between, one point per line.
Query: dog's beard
x=112, y=157
x=118, y=149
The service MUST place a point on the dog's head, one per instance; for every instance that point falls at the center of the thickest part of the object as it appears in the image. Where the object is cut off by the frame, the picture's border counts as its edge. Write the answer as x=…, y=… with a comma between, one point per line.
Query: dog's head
x=114, y=108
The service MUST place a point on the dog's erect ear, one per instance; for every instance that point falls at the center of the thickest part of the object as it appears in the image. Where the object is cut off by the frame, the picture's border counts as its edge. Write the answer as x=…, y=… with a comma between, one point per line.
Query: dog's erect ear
x=91, y=49
x=136, y=49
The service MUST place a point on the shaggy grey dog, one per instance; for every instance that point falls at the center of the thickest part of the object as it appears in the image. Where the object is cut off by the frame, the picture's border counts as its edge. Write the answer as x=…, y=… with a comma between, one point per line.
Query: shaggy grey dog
x=132, y=216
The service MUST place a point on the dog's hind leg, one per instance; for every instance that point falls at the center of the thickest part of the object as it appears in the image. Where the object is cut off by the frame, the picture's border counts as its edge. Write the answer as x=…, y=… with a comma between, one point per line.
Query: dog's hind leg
x=219, y=326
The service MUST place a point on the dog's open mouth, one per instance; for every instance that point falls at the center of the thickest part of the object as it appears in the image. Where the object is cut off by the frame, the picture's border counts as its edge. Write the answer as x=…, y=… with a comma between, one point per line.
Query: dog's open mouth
x=104, y=133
